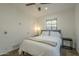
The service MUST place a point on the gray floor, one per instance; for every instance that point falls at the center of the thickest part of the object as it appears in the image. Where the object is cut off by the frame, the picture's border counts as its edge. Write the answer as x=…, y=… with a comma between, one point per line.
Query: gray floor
x=64, y=52
x=68, y=52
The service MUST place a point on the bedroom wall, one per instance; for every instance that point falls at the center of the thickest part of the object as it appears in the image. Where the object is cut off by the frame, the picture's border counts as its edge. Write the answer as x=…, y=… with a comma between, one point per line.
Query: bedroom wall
x=65, y=22
x=77, y=26
x=17, y=23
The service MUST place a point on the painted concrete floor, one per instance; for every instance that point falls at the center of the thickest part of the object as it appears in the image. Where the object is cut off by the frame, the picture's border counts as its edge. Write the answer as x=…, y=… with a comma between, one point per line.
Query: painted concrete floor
x=64, y=52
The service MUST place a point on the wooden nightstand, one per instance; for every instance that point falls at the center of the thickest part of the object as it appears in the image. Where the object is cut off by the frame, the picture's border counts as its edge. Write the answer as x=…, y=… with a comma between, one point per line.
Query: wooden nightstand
x=67, y=39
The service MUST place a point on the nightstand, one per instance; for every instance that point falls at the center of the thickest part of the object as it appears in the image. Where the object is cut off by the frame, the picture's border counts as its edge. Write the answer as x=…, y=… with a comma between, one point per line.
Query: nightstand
x=70, y=42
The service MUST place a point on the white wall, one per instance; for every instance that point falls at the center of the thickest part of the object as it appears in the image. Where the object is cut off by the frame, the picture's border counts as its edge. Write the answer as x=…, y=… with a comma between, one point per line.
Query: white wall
x=10, y=18
x=11, y=15
x=77, y=26
x=65, y=22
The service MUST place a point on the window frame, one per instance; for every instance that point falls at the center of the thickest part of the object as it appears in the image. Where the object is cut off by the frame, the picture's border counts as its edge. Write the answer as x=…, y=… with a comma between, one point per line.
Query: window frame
x=51, y=27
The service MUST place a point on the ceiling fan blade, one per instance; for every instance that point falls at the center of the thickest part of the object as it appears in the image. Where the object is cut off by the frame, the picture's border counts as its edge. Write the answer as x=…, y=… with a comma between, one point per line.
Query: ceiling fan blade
x=30, y=4
x=44, y=3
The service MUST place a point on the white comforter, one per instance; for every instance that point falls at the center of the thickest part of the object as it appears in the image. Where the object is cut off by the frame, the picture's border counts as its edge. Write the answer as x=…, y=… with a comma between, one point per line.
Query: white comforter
x=41, y=46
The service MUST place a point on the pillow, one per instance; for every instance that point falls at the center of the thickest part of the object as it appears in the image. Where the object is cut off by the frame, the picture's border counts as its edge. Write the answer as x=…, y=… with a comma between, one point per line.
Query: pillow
x=55, y=34
x=45, y=33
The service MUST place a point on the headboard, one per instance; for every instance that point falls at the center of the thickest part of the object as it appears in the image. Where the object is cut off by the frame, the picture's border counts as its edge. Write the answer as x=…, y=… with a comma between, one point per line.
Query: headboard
x=51, y=31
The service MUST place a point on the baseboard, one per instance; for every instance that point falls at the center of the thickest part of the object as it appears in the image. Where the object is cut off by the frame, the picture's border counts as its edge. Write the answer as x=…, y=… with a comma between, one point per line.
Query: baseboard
x=77, y=50
x=7, y=50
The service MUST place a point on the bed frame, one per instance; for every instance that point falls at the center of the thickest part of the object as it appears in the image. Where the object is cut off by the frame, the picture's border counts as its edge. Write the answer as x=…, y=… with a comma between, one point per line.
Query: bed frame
x=51, y=31
x=23, y=52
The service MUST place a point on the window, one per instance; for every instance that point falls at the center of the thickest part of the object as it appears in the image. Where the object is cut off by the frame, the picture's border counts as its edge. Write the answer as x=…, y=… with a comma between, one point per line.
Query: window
x=51, y=24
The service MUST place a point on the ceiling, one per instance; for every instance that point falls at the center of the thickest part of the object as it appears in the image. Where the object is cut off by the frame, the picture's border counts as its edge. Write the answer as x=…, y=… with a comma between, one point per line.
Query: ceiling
x=33, y=9
x=51, y=8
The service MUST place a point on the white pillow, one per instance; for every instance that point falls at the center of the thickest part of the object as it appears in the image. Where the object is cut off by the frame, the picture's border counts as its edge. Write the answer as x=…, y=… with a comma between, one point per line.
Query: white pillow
x=55, y=34
x=45, y=33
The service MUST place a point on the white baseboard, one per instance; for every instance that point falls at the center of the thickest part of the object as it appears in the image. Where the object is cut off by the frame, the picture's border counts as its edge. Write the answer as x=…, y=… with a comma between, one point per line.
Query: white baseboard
x=77, y=50
x=8, y=49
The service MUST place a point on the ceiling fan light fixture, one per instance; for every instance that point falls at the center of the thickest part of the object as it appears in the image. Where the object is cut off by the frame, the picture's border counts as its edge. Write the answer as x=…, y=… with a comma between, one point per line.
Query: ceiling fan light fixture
x=39, y=8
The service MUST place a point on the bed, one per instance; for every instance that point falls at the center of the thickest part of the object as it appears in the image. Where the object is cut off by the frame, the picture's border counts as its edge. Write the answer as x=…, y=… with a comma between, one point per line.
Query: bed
x=47, y=44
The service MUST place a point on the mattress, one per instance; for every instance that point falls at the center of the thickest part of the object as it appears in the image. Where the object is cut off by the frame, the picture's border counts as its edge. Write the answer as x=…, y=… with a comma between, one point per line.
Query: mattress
x=41, y=46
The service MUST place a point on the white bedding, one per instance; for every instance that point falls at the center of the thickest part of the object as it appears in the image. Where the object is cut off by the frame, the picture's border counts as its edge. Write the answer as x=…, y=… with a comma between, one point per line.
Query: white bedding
x=42, y=46
x=53, y=41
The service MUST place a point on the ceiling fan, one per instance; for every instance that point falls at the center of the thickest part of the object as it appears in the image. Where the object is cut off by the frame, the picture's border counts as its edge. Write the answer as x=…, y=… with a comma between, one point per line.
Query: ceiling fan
x=39, y=8
x=29, y=4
